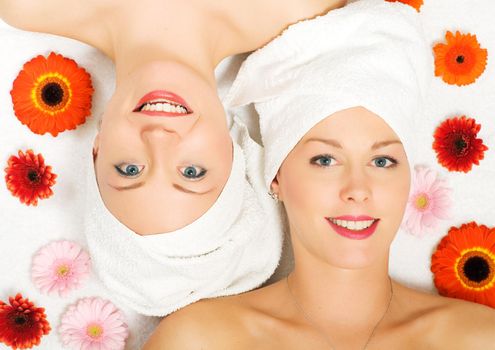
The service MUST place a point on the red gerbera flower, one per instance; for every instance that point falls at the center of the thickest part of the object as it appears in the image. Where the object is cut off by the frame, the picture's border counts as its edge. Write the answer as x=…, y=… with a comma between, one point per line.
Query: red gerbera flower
x=22, y=324
x=414, y=3
x=461, y=60
x=464, y=264
x=456, y=144
x=52, y=94
x=28, y=178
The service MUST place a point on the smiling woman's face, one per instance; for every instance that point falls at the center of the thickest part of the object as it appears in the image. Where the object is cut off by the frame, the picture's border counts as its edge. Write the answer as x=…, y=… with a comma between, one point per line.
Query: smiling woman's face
x=163, y=152
x=345, y=187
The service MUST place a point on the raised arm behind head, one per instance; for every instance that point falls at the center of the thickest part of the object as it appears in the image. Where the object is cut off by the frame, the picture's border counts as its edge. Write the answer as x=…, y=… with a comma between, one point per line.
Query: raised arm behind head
x=76, y=19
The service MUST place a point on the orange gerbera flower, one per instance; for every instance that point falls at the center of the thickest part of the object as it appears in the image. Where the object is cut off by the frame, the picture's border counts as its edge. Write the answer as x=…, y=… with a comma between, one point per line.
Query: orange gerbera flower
x=464, y=264
x=52, y=94
x=461, y=61
x=28, y=178
x=414, y=3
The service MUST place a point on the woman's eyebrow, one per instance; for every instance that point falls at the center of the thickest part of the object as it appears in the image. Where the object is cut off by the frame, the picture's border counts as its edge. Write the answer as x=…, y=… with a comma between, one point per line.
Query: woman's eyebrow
x=185, y=190
x=330, y=142
x=381, y=144
x=128, y=187
x=140, y=184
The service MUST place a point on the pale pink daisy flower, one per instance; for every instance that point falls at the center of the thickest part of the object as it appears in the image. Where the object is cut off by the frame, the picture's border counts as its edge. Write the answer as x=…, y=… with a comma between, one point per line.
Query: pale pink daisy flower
x=429, y=202
x=60, y=267
x=93, y=323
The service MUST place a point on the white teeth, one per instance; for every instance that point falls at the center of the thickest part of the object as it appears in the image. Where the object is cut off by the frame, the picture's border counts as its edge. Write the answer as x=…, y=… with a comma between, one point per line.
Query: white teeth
x=163, y=107
x=353, y=225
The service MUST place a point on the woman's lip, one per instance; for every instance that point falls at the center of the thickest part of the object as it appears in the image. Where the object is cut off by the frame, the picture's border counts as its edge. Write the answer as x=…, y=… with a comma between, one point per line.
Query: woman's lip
x=166, y=95
x=354, y=218
x=362, y=234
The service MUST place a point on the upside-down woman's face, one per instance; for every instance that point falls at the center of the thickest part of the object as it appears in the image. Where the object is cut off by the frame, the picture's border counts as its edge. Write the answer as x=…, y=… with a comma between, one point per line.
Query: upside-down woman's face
x=163, y=152
x=345, y=187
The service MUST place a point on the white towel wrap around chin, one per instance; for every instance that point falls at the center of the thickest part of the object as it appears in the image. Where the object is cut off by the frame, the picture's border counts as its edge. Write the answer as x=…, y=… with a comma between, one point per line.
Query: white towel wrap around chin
x=370, y=53
x=234, y=247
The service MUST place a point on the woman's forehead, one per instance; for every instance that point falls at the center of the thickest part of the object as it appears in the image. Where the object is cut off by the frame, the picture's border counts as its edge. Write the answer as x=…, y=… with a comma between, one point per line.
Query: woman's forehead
x=356, y=121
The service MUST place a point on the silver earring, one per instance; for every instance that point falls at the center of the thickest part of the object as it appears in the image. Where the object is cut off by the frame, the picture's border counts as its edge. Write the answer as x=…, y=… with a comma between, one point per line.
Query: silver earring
x=273, y=195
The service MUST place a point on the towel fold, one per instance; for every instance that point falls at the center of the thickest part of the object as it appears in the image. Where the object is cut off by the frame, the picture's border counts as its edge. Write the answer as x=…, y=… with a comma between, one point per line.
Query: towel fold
x=370, y=53
x=234, y=247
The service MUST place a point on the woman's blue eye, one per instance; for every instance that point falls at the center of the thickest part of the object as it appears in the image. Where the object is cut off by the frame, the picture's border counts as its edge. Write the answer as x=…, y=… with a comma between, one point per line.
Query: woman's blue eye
x=384, y=162
x=322, y=160
x=129, y=170
x=192, y=172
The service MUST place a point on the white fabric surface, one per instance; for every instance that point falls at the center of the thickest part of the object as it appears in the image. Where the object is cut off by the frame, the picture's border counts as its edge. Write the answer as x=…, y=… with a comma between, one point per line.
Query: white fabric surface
x=473, y=192
x=23, y=230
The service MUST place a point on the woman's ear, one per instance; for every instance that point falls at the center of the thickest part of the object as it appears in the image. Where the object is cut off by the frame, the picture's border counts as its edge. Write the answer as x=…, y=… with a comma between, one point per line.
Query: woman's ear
x=100, y=120
x=275, y=188
x=96, y=146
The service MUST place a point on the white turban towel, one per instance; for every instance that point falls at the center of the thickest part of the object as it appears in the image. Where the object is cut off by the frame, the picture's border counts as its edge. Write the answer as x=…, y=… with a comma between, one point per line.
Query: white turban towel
x=234, y=247
x=371, y=53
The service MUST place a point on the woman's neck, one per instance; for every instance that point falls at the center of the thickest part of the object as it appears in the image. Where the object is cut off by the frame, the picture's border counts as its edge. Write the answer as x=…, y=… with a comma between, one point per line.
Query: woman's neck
x=161, y=32
x=340, y=301
x=200, y=34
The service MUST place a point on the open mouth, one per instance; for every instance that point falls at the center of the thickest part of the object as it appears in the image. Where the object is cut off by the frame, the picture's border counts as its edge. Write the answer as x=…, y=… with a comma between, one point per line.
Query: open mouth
x=353, y=229
x=162, y=103
x=353, y=225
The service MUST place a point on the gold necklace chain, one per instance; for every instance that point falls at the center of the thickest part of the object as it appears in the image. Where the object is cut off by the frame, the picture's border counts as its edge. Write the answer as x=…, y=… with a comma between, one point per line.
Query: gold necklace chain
x=308, y=319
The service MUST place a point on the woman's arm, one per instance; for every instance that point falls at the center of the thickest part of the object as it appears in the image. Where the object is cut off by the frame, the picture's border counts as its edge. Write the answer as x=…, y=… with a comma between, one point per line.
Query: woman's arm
x=83, y=20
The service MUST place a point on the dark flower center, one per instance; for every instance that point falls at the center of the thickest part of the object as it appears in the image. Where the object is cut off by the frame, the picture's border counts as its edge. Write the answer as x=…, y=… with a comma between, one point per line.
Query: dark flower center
x=460, y=59
x=52, y=94
x=33, y=175
x=476, y=269
x=20, y=320
x=460, y=145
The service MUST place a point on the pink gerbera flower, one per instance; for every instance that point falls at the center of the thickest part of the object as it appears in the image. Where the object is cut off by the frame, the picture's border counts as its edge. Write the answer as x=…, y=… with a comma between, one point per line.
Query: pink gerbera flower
x=93, y=323
x=60, y=267
x=429, y=202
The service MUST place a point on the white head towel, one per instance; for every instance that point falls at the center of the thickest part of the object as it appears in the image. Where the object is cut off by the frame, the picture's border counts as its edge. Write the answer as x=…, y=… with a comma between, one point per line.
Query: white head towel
x=370, y=53
x=234, y=247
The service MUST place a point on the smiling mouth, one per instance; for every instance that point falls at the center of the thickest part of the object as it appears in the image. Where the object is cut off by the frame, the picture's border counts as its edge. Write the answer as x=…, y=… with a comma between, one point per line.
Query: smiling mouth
x=162, y=105
x=354, y=229
x=353, y=225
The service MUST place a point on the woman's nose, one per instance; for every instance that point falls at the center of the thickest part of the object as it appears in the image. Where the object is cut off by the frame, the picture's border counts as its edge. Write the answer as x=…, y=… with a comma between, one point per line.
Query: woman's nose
x=177, y=128
x=159, y=134
x=356, y=187
x=163, y=127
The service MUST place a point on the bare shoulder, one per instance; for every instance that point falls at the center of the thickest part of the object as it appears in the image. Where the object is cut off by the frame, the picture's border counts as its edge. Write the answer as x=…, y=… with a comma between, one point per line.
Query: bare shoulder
x=206, y=324
x=449, y=323
x=77, y=19
x=472, y=323
x=250, y=320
